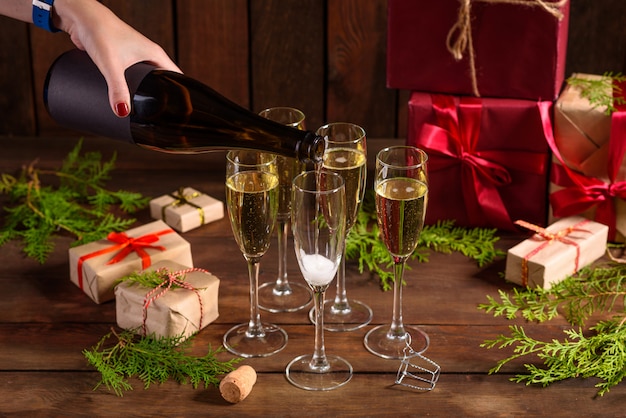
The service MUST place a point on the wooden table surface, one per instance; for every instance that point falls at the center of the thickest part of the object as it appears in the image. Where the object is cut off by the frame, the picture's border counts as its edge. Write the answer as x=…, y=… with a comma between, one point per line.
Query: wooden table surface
x=46, y=322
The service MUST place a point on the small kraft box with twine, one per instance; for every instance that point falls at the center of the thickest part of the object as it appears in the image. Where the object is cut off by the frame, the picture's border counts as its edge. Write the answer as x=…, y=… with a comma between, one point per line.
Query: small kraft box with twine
x=556, y=252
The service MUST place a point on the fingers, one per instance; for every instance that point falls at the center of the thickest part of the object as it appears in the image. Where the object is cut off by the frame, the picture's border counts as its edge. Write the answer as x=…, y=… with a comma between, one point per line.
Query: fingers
x=119, y=96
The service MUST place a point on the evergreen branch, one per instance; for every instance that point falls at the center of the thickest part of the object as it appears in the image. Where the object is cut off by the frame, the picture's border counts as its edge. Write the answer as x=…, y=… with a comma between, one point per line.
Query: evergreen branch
x=601, y=92
x=153, y=360
x=601, y=354
x=589, y=291
x=79, y=206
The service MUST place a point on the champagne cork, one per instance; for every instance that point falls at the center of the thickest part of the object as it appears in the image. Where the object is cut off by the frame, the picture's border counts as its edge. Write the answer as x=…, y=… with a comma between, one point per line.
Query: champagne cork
x=237, y=385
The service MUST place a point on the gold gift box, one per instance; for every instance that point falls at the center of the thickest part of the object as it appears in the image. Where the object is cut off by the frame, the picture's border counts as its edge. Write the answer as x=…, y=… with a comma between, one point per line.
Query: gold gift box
x=186, y=209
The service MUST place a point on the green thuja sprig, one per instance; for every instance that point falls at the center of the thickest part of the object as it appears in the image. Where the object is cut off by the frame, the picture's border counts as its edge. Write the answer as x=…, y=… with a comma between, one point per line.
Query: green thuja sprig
x=153, y=360
x=76, y=203
x=591, y=290
x=599, y=352
x=363, y=243
x=602, y=92
x=148, y=278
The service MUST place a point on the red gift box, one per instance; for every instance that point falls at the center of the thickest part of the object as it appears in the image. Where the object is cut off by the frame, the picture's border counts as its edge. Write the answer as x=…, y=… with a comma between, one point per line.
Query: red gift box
x=518, y=49
x=487, y=158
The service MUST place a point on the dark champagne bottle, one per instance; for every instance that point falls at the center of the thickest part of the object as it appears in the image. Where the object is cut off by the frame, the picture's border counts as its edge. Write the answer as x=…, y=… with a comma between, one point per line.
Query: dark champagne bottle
x=170, y=112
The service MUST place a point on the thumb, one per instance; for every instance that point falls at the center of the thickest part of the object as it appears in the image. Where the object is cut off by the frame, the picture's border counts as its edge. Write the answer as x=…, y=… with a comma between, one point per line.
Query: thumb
x=119, y=96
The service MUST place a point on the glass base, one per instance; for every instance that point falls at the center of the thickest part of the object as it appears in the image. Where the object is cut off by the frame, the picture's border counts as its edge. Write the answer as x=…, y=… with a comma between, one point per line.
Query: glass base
x=240, y=342
x=380, y=342
x=351, y=317
x=295, y=297
x=300, y=373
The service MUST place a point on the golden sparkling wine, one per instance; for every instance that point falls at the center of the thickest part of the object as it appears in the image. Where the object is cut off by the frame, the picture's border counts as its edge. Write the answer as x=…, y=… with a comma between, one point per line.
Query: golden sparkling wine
x=252, y=200
x=349, y=164
x=401, y=206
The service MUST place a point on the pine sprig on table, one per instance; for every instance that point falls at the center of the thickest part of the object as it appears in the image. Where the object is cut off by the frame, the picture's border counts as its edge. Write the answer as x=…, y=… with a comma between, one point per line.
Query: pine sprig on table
x=601, y=92
x=79, y=205
x=153, y=360
x=602, y=354
x=363, y=243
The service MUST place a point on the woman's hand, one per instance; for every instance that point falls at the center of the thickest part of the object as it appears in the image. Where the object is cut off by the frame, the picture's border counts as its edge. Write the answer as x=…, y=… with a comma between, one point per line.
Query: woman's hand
x=112, y=44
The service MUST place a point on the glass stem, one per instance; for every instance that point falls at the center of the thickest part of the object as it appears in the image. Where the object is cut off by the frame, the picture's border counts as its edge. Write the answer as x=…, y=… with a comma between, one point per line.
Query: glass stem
x=397, y=327
x=282, y=285
x=341, y=305
x=319, y=361
x=255, y=329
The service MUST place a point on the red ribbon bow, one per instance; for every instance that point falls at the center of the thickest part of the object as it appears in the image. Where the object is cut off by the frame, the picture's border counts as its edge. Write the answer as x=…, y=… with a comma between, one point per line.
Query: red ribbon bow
x=454, y=140
x=550, y=237
x=125, y=245
x=175, y=278
x=580, y=192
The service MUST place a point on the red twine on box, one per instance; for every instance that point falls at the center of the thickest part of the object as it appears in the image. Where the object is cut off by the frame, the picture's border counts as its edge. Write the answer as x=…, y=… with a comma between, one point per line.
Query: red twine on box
x=459, y=37
x=549, y=238
x=175, y=278
x=125, y=245
x=454, y=140
x=580, y=192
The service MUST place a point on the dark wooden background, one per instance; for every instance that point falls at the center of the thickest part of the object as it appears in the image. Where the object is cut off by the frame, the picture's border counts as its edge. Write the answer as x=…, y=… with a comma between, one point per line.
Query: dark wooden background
x=326, y=57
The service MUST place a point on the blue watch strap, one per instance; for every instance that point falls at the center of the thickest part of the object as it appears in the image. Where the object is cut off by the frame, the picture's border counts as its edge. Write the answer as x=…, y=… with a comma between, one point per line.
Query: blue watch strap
x=42, y=15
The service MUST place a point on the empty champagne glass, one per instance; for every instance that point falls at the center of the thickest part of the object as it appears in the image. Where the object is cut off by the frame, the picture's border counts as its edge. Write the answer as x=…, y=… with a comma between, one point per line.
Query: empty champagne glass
x=318, y=225
x=281, y=295
x=346, y=155
x=252, y=203
x=401, y=186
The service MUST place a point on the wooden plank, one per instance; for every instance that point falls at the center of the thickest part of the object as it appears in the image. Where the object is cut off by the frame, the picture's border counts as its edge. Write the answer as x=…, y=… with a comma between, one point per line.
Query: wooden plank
x=17, y=113
x=454, y=348
x=287, y=56
x=597, y=37
x=44, y=394
x=356, y=66
x=213, y=45
x=153, y=18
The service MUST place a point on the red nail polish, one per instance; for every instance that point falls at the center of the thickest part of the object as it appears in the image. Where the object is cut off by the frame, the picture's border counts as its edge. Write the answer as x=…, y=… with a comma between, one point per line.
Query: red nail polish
x=122, y=109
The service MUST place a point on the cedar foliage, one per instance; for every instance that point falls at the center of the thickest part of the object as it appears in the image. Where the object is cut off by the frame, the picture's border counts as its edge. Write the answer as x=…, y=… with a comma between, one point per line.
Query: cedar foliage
x=70, y=200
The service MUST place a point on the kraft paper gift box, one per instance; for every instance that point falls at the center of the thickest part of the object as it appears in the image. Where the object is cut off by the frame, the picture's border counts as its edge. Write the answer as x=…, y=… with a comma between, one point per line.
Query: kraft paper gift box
x=601, y=197
x=186, y=209
x=582, y=130
x=519, y=50
x=185, y=302
x=487, y=158
x=556, y=252
x=94, y=267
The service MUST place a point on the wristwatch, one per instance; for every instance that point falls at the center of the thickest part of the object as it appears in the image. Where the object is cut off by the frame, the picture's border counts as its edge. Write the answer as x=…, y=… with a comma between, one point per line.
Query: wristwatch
x=42, y=15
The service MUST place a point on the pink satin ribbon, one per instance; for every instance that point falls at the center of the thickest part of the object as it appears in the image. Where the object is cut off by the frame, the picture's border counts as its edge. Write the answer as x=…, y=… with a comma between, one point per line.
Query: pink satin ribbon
x=580, y=192
x=454, y=140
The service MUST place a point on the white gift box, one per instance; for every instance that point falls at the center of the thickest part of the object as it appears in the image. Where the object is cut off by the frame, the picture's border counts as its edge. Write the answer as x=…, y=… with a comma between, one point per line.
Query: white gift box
x=186, y=209
x=94, y=267
x=183, y=309
x=559, y=251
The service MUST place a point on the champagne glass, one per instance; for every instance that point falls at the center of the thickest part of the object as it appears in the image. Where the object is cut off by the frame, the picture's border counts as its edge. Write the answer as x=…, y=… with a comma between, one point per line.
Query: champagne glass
x=252, y=203
x=346, y=155
x=280, y=295
x=318, y=225
x=401, y=186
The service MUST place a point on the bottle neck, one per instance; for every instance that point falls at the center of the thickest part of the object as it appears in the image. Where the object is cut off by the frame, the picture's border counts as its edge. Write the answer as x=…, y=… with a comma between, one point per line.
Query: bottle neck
x=311, y=148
